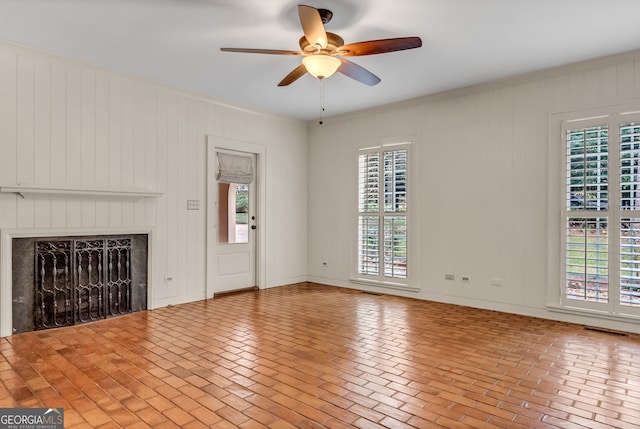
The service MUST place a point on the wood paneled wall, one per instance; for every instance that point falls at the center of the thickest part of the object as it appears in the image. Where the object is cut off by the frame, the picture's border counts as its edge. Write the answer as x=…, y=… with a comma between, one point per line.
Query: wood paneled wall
x=69, y=125
x=480, y=203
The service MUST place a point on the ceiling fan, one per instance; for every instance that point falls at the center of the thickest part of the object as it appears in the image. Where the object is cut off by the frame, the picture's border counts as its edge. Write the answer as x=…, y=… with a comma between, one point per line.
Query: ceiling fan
x=322, y=51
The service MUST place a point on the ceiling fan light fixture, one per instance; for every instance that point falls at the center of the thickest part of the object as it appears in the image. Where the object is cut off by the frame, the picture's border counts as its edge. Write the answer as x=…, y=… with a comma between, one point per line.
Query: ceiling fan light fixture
x=321, y=66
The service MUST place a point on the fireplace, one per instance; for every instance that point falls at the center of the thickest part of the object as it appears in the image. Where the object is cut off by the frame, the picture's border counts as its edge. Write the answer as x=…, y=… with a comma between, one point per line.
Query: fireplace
x=68, y=280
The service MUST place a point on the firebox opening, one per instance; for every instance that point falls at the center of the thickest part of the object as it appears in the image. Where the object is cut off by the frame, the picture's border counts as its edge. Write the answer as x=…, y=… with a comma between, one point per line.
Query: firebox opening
x=64, y=281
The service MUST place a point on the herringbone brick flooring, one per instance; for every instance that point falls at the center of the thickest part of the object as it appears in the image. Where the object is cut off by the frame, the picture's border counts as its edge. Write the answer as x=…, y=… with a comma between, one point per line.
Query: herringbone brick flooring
x=313, y=356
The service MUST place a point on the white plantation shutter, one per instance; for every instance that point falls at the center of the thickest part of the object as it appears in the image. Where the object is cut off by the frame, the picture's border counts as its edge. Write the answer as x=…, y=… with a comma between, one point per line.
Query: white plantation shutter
x=587, y=260
x=369, y=183
x=395, y=246
x=587, y=168
x=586, y=238
x=369, y=245
x=630, y=166
x=630, y=206
x=630, y=262
x=395, y=181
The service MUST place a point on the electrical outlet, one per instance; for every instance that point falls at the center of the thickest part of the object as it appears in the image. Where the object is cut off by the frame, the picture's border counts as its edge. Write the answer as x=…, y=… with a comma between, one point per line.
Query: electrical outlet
x=193, y=205
x=168, y=279
x=465, y=279
x=325, y=264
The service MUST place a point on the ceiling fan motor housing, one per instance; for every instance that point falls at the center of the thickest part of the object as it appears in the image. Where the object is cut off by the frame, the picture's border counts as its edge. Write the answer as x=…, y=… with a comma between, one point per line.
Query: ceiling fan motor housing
x=325, y=15
x=333, y=43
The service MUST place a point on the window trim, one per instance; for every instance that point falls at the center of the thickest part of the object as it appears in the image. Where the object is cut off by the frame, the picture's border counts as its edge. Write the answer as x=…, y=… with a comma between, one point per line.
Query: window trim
x=380, y=280
x=557, y=211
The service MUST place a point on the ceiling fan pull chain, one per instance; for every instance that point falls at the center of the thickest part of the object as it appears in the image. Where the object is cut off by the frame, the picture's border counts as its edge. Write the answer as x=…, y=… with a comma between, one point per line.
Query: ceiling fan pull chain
x=321, y=102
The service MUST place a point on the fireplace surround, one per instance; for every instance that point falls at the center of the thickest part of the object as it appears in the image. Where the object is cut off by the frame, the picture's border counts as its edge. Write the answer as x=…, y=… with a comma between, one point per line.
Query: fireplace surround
x=53, y=278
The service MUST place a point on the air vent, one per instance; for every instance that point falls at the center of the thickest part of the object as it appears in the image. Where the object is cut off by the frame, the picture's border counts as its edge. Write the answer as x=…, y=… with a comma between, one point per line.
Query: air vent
x=371, y=293
x=605, y=331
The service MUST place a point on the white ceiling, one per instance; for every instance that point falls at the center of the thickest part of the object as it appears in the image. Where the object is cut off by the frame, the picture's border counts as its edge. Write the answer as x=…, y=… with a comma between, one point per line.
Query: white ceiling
x=176, y=42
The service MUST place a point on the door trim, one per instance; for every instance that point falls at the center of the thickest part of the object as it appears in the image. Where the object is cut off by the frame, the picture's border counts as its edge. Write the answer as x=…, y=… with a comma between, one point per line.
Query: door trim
x=214, y=143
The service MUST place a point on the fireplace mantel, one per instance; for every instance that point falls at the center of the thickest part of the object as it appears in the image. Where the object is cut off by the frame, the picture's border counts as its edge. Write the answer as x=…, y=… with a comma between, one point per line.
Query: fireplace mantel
x=77, y=193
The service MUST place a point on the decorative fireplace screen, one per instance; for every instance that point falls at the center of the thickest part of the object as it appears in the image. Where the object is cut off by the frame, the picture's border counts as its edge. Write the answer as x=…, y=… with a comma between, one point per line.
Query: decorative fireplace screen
x=81, y=280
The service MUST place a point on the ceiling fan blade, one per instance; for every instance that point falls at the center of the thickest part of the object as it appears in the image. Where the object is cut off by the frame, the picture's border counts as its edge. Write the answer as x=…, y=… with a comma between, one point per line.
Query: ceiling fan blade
x=295, y=74
x=262, y=51
x=381, y=46
x=312, y=26
x=358, y=73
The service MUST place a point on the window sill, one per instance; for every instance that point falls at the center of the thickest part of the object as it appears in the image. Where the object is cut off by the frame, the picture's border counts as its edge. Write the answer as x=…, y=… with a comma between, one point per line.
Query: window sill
x=576, y=311
x=387, y=285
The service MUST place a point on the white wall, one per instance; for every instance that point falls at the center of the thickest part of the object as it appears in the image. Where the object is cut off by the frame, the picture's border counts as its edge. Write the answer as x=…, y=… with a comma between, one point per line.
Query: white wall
x=481, y=188
x=480, y=194
x=70, y=125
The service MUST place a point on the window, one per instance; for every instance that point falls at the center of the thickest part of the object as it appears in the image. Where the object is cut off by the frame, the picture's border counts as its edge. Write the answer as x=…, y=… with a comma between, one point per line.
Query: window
x=233, y=212
x=234, y=175
x=382, y=214
x=630, y=219
x=601, y=212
